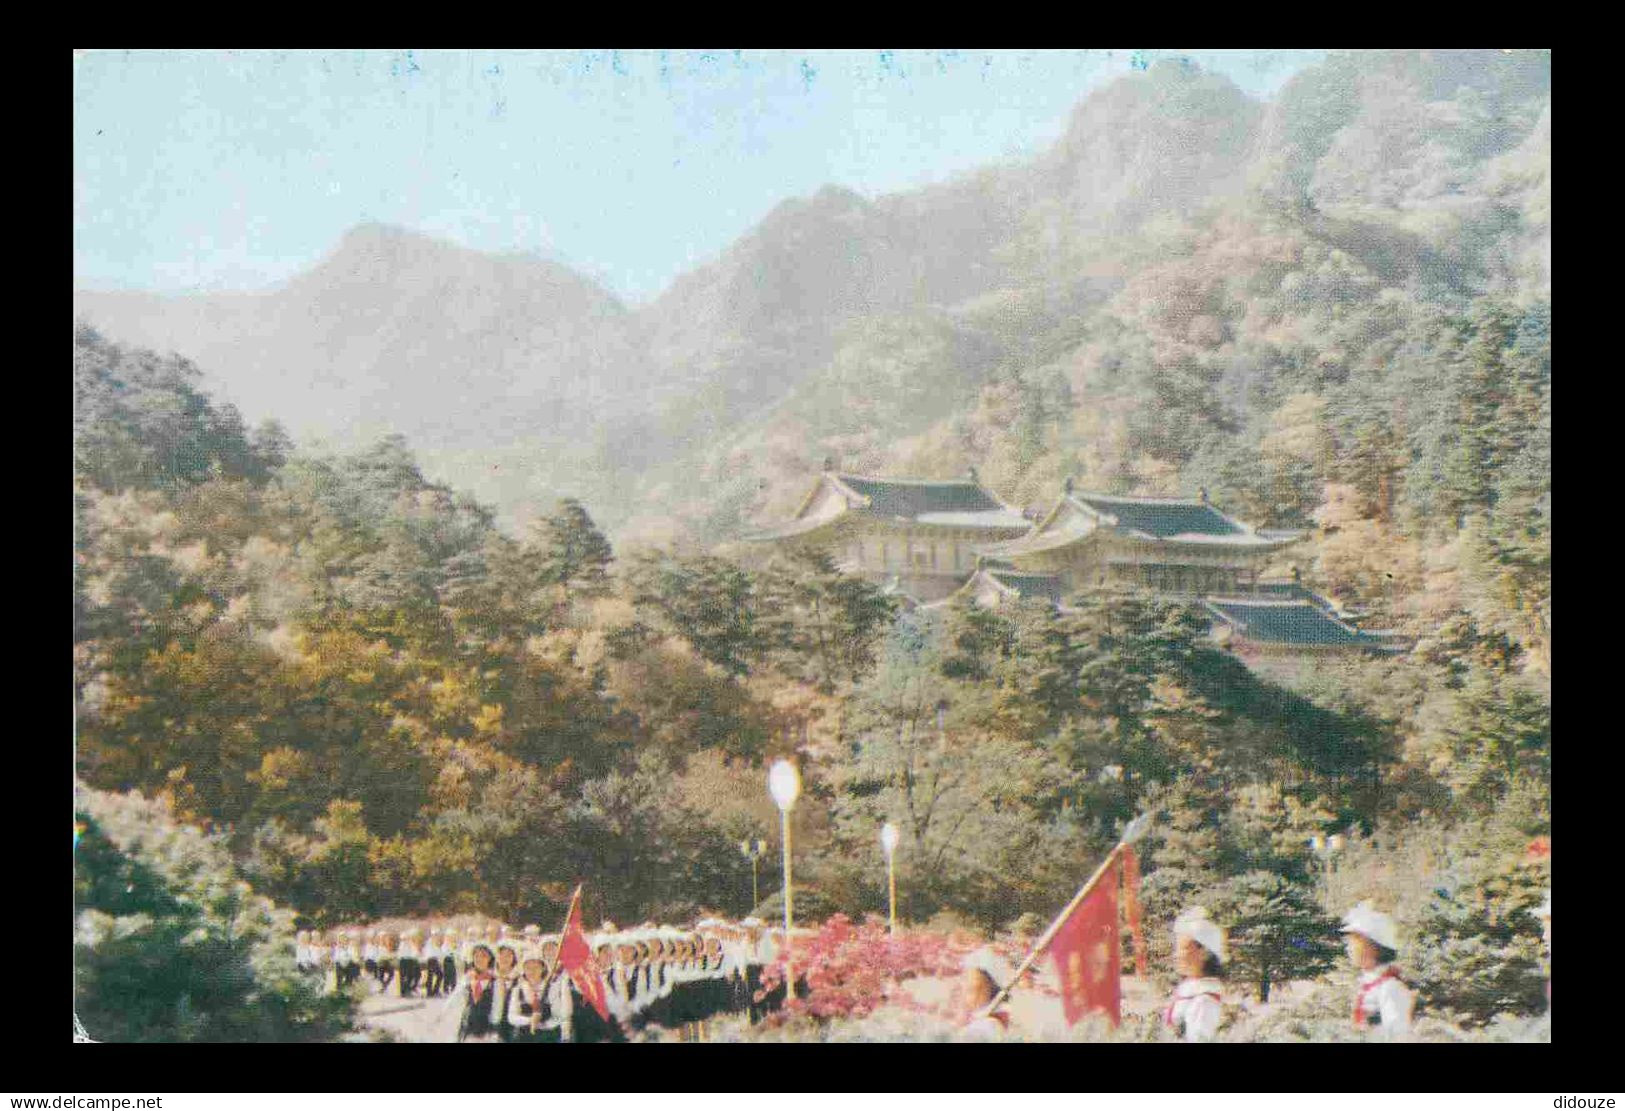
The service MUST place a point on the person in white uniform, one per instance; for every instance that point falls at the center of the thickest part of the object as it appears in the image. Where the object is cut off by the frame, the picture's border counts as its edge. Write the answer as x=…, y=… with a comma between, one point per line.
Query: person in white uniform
x=528, y=1015
x=984, y=975
x=1197, y=1006
x=434, y=952
x=410, y=958
x=347, y=958
x=1381, y=1000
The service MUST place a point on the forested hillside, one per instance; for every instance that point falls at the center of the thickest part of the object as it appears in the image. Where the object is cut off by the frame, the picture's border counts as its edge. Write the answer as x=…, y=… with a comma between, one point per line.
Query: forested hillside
x=383, y=704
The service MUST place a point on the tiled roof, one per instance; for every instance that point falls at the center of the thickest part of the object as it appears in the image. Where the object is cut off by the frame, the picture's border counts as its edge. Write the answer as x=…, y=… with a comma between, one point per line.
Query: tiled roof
x=1163, y=517
x=893, y=497
x=1030, y=586
x=1268, y=621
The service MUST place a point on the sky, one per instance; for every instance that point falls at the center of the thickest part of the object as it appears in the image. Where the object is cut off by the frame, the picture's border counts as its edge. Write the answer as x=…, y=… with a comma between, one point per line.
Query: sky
x=236, y=170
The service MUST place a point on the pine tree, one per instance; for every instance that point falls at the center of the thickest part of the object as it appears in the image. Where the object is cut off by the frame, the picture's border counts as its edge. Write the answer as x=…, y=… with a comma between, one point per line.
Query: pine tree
x=1478, y=951
x=570, y=552
x=1181, y=860
x=1277, y=929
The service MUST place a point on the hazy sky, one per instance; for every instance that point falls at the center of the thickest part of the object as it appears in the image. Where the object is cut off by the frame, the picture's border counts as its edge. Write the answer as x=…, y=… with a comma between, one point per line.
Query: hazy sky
x=237, y=169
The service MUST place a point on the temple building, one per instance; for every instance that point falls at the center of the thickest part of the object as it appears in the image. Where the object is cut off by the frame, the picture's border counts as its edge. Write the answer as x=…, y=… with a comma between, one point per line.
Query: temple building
x=932, y=543
x=1171, y=546
x=916, y=537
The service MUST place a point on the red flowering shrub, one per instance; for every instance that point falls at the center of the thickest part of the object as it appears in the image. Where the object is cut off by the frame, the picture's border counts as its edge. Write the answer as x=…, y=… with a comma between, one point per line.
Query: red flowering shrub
x=851, y=970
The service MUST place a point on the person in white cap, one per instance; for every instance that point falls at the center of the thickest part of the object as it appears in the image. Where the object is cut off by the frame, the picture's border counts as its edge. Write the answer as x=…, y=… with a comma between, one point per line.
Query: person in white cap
x=984, y=975
x=451, y=955
x=1197, y=1006
x=618, y=979
x=1381, y=1000
x=411, y=957
x=353, y=957
x=320, y=954
x=529, y=1017
x=369, y=954
x=434, y=951
x=507, y=978
x=476, y=998
x=336, y=955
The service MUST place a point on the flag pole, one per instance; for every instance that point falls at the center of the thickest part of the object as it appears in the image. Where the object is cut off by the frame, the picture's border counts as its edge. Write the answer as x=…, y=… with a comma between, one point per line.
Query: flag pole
x=1131, y=833
x=553, y=972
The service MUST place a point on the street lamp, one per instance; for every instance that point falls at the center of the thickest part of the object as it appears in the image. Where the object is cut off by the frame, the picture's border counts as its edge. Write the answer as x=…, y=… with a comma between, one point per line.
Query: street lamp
x=1325, y=848
x=785, y=785
x=753, y=851
x=888, y=842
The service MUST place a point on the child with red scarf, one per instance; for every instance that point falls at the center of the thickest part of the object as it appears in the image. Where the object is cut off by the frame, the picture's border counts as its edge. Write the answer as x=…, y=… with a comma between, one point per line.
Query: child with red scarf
x=478, y=995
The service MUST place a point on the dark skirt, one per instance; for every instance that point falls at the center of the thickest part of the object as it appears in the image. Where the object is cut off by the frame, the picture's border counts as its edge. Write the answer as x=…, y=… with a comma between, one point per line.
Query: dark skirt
x=588, y=1026
x=476, y=1021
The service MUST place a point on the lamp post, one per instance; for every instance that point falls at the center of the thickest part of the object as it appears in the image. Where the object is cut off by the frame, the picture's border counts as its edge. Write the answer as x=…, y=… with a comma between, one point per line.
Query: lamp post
x=753, y=851
x=1325, y=848
x=888, y=842
x=784, y=783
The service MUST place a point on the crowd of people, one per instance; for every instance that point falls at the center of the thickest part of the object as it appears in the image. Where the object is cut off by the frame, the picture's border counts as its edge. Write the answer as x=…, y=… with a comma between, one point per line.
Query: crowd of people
x=1383, y=1003
x=508, y=985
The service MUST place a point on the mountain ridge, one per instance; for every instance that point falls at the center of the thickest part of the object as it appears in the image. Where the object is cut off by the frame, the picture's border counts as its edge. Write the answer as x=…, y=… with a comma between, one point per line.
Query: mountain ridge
x=900, y=310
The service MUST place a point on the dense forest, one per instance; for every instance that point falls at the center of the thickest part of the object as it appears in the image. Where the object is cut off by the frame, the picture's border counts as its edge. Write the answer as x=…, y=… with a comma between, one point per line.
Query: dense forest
x=378, y=696
x=380, y=703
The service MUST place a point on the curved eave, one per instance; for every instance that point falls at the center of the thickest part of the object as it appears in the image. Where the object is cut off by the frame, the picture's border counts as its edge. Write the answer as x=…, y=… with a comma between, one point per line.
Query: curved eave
x=791, y=531
x=1027, y=545
x=1244, y=543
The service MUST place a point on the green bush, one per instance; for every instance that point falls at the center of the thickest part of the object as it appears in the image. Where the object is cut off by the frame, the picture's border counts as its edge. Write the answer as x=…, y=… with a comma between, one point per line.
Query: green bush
x=170, y=946
x=1478, y=951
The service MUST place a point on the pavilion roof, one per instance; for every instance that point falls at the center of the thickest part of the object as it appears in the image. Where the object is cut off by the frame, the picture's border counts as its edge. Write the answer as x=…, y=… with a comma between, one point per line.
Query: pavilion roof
x=1048, y=587
x=961, y=502
x=1276, y=621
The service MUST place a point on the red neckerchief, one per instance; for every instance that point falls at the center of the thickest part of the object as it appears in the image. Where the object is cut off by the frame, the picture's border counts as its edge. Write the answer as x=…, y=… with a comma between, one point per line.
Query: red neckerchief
x=478, y=982
x=1003, y=1018
x=1389, y=973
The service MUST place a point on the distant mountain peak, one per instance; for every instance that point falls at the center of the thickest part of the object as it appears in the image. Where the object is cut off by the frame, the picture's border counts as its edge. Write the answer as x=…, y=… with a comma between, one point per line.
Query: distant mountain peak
x=374, y=230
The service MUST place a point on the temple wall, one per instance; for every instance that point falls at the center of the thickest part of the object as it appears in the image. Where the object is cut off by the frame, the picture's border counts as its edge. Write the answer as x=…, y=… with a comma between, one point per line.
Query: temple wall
x=930, y=563
x=1103, y=563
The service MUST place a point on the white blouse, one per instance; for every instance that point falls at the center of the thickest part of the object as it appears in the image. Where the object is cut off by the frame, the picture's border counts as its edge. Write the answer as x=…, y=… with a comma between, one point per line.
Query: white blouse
x=1383, y=994
x=1196, y=1006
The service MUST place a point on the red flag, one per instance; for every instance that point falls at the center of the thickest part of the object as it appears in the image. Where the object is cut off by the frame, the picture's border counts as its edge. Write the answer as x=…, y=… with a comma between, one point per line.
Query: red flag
x=1088, y=953
x=575, y=957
